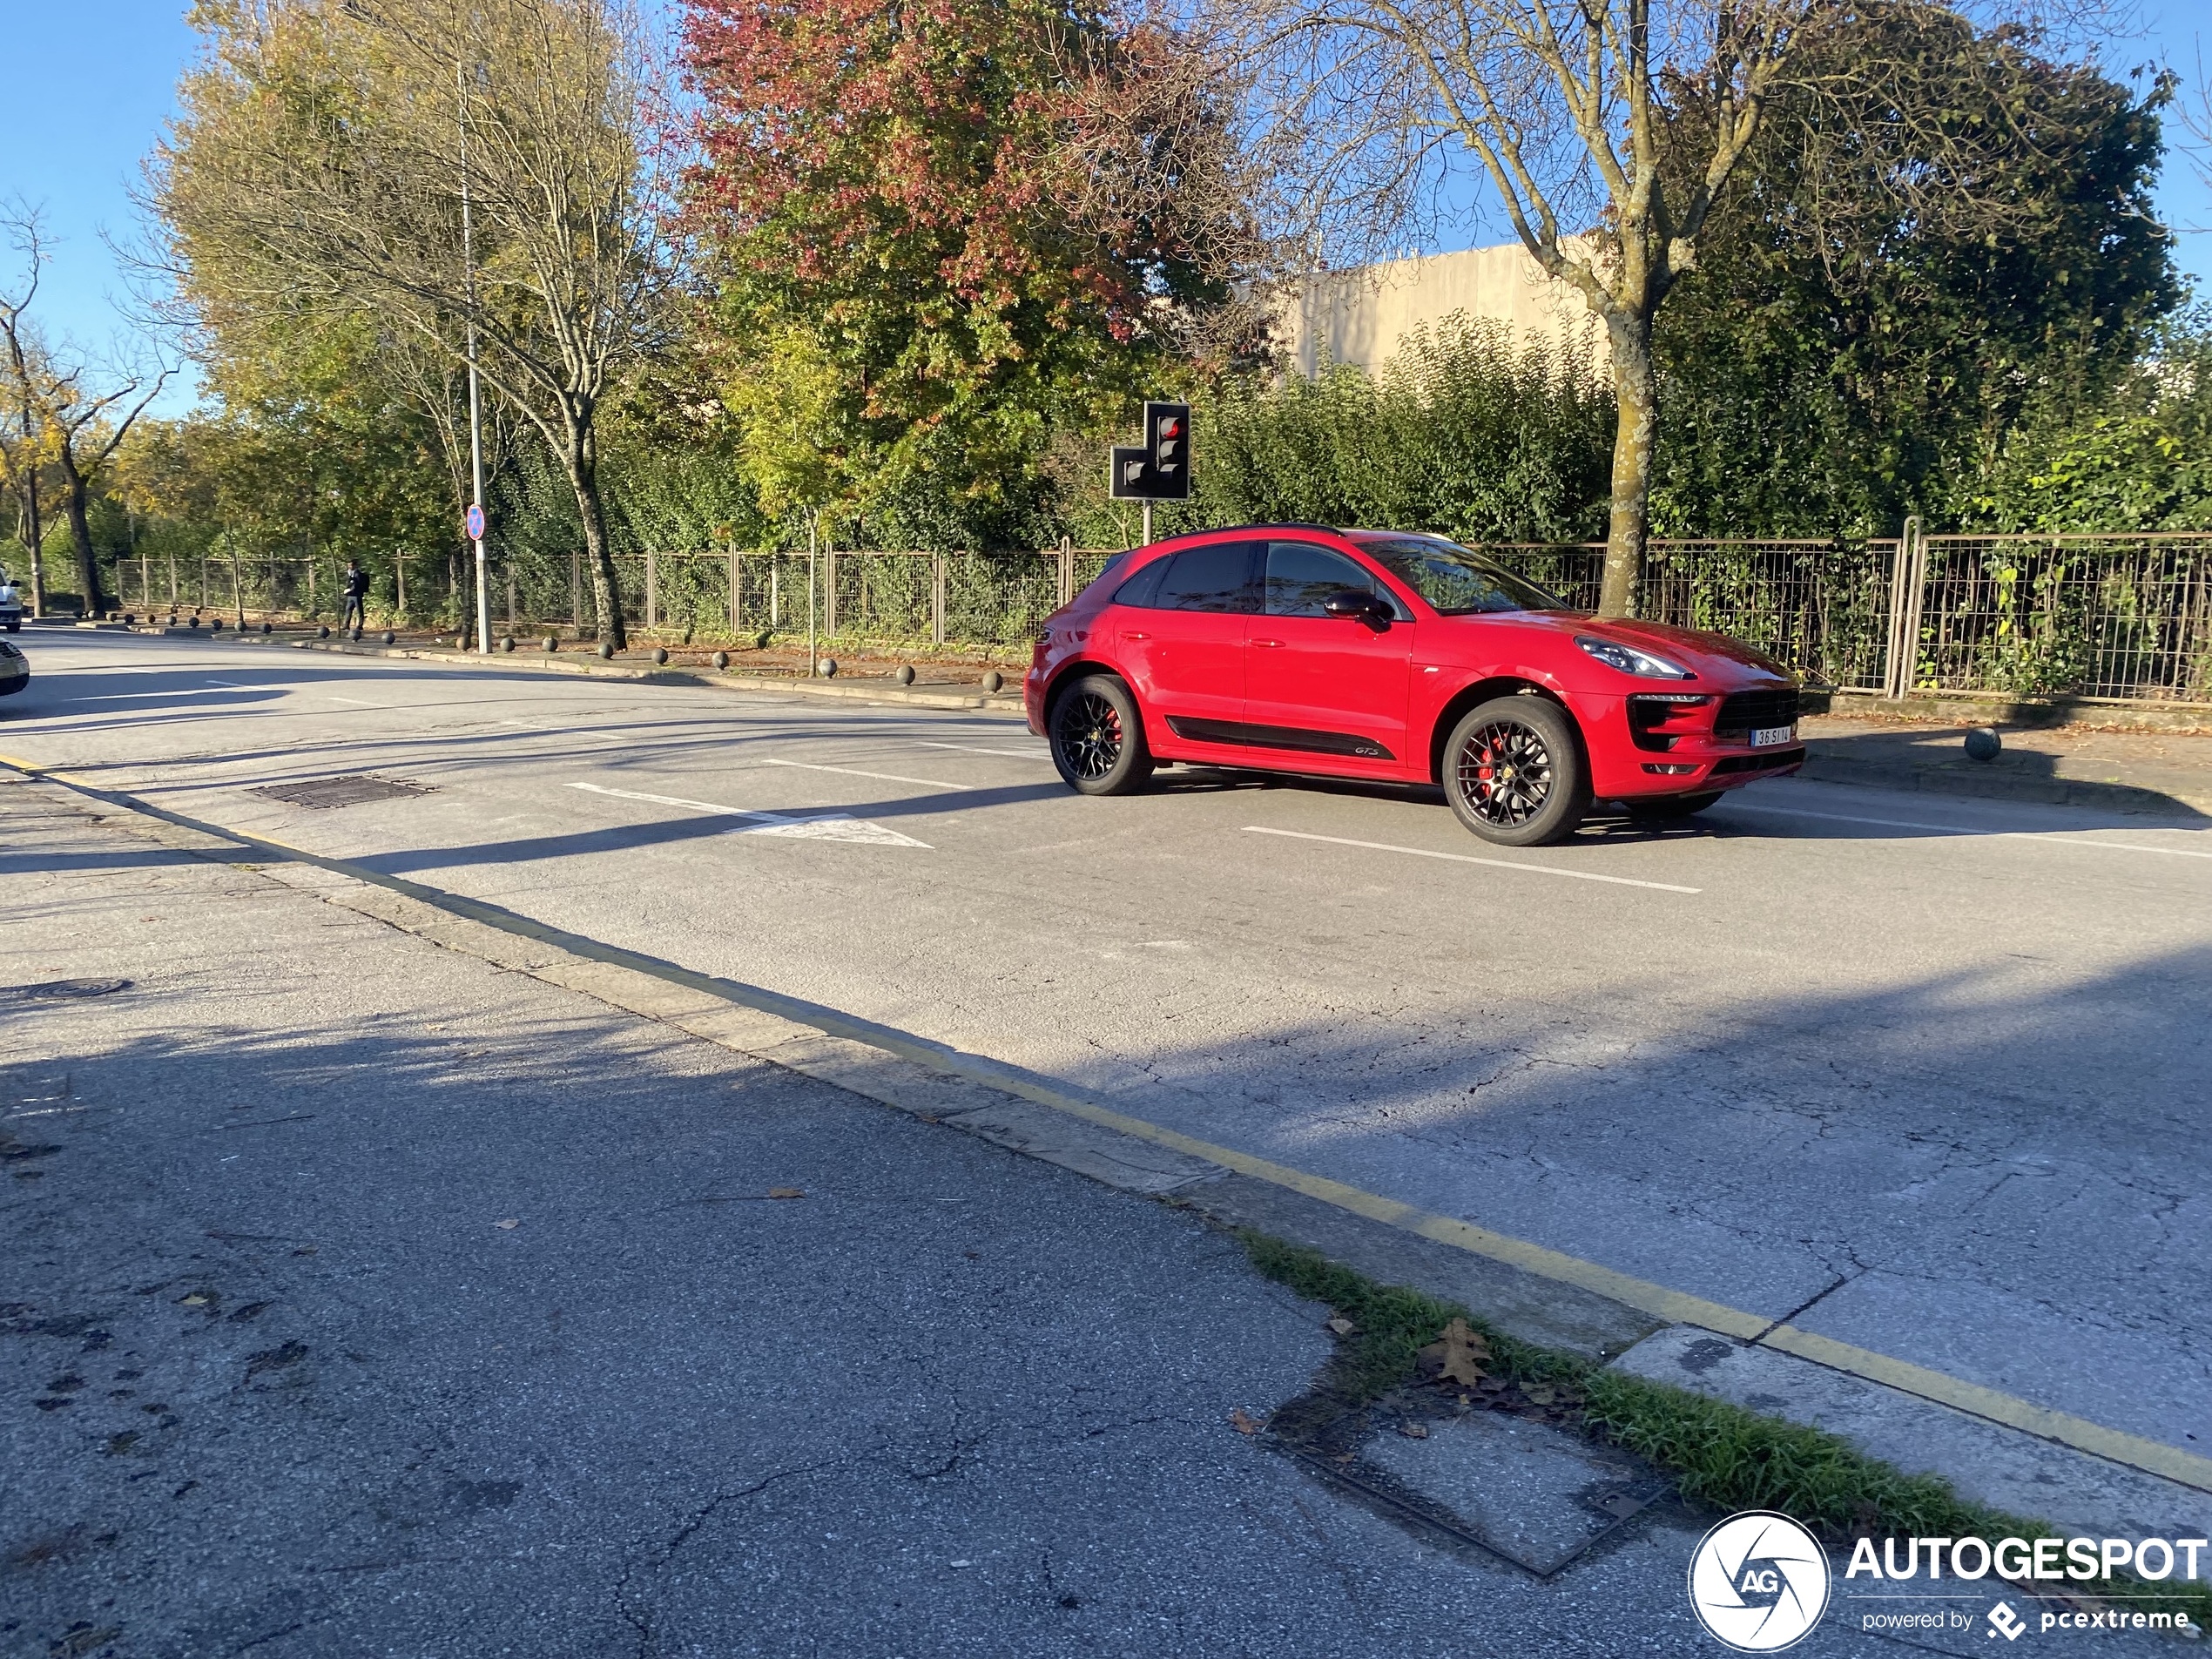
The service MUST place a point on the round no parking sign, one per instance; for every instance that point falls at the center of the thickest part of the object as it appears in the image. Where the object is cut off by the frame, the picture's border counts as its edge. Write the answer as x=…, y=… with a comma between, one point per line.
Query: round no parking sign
x=475, y=522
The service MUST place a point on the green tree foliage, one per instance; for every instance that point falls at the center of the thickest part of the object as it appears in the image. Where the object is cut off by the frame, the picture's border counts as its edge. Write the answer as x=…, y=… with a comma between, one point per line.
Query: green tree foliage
x=1862, y=334
x=2140, y=460
x=920, y=276
x=1461, y=434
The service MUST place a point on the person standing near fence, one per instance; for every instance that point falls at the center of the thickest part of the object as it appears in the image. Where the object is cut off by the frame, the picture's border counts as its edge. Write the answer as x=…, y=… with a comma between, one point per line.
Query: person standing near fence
x=355, y=583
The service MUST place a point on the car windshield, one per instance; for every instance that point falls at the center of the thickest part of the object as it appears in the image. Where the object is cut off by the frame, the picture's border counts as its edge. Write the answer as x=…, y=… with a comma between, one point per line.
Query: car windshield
x=1456, y=581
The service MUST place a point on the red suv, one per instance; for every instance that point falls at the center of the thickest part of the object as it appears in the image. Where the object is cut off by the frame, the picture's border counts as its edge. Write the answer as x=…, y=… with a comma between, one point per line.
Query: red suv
x=1404, y=659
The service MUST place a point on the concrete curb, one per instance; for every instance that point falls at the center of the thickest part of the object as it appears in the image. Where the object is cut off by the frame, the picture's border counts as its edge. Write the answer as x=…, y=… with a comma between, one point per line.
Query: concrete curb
x=1987, y=1445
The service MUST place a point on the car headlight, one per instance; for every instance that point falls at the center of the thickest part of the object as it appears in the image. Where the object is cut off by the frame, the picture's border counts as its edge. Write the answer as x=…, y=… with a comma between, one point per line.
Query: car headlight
x=1630, y=660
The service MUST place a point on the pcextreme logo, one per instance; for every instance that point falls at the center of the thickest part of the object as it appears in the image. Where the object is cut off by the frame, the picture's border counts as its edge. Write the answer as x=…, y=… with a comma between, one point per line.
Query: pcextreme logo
x=1758, y=1581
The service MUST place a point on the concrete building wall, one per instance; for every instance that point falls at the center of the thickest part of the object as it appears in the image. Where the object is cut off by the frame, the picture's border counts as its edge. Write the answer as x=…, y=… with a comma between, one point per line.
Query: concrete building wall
x=1359, y=316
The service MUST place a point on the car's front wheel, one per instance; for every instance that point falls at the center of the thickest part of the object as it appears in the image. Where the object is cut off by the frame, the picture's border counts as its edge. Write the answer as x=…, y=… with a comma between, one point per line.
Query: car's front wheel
x=1514, y=773
x=1097, y=738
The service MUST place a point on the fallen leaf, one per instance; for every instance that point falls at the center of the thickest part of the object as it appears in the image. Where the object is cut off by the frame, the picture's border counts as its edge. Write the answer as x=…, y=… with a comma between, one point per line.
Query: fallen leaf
x=508, y=1226
x=1413, y=1431
x=786, y=1192
x=1243, y=1423
x=195, y=1300
x=1342, y=1326
x=1458, y=1355
x=1537, y=1394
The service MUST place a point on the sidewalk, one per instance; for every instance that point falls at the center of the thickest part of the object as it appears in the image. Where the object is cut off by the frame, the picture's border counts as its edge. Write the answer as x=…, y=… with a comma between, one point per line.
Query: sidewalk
x=360, y=1295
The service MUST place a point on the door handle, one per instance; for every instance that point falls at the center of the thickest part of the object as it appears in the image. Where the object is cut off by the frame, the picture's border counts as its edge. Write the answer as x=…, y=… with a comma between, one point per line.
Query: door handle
x=1267, y=641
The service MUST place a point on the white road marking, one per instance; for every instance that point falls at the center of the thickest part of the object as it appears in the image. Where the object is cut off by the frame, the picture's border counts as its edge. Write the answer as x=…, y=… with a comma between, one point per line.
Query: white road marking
x=355, y=701
x=881, y=776
x=1465, y=858
x=240, y=685
x=829, y=826
x=970, y=749
x=2064, y=837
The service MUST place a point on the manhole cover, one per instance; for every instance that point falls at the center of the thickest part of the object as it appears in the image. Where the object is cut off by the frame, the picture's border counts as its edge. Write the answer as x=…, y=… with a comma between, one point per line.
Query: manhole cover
x=340, y=792
x=68, y=988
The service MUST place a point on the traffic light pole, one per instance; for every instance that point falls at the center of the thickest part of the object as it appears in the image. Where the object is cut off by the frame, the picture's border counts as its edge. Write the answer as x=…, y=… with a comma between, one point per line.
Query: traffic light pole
x=1147, y=542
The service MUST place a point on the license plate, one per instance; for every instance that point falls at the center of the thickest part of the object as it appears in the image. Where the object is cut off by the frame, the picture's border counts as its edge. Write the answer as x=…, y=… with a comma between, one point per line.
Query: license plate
x=1767, y=735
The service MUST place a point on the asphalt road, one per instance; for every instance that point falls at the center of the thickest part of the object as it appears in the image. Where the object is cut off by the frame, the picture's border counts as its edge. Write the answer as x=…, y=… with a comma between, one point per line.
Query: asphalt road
x=359, y=1298
x=1927, y=1076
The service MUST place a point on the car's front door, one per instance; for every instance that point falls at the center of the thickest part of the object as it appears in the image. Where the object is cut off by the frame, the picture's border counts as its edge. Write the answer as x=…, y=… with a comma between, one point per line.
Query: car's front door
x=1330, y=689
x=1181, y=640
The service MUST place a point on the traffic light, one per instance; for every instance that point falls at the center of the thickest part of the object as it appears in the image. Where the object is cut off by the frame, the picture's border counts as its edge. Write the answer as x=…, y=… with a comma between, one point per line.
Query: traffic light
x=1159, y=469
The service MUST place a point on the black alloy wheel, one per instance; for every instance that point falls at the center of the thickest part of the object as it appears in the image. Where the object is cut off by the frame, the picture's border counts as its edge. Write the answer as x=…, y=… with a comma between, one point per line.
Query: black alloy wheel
x=1514, y=773
x=1097, y=738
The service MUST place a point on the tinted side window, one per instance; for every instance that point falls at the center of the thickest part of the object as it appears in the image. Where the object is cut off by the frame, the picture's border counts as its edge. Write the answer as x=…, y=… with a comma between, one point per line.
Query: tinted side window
x=1301, y=576
x=1140, y=588
x=1219, y=577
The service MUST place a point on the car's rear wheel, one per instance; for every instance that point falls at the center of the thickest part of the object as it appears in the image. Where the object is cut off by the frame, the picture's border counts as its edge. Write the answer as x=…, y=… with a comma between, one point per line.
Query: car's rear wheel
x=1097, y=738
x=1667, y=809
x=1514, y=773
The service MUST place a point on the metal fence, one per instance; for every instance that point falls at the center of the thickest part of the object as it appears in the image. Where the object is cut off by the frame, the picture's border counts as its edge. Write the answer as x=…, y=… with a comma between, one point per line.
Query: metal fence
x=2092, y=616
x=2121, y=617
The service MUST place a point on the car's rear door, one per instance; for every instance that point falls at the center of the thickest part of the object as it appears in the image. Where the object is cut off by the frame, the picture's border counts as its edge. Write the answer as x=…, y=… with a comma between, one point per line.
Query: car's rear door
x=1180, y=637
x=1322, y=691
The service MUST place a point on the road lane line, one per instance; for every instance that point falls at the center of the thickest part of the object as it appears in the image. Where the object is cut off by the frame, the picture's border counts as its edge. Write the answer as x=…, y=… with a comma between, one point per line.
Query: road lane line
x=355, y=701
x=238, y=685
x=2135, y=1451
x=1465, y=858
x=970, y=749
x=825, y=826
x=854, y=772
x=2064, y=837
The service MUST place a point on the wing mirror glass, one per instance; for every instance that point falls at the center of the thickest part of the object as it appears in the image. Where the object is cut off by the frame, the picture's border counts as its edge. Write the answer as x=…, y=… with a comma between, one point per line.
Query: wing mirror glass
x=1356, y=604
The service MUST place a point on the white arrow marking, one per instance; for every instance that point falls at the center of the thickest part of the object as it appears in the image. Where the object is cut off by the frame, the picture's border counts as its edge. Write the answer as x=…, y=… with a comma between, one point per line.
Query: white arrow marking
x=830, y=826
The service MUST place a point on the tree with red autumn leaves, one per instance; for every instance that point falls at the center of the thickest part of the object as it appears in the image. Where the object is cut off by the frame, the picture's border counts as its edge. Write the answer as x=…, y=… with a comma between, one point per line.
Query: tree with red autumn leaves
x=942, y=230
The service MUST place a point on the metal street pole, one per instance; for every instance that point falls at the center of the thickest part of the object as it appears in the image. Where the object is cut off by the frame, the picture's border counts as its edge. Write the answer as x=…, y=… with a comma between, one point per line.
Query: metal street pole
x=1147, y=525
x=813, y=662
x=475, y=418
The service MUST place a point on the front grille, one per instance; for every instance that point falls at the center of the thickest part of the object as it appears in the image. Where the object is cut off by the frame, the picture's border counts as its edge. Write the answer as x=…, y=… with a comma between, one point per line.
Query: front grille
x=1742, y=711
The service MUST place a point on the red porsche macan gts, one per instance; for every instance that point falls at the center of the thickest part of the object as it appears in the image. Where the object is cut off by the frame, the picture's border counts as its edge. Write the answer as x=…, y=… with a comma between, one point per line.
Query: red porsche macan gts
x=1403, y=658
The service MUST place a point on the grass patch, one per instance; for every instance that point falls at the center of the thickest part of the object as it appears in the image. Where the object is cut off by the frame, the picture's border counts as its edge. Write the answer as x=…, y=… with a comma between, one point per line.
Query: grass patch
x=1720, y=1456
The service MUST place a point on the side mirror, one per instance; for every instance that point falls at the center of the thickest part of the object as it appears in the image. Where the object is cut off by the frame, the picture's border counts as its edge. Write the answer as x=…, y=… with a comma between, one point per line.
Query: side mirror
x=1356, y=604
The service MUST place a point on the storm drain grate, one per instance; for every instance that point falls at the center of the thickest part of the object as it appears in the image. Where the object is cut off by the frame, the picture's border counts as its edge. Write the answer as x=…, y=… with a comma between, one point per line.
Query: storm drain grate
x=340, y=792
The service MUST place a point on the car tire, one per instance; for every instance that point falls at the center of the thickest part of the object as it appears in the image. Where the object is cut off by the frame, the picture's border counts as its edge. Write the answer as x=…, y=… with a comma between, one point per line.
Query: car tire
x=1514, y=773
x=1097, y=738
x=11, y=687
x=1668, y=809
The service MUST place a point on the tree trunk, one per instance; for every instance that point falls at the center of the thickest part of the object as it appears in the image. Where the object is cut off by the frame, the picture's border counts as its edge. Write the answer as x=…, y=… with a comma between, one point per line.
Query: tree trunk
x=80, y=532
x=36, y=543
x=1635, y=395
x=580, y=455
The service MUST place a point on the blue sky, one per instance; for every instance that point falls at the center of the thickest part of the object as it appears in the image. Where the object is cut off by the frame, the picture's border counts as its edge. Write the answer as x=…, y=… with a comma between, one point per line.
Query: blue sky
x=102, y=73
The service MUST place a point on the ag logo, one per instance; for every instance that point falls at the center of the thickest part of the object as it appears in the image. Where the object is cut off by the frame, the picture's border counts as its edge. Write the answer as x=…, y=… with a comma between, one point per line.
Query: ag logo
x=1759, y=1581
